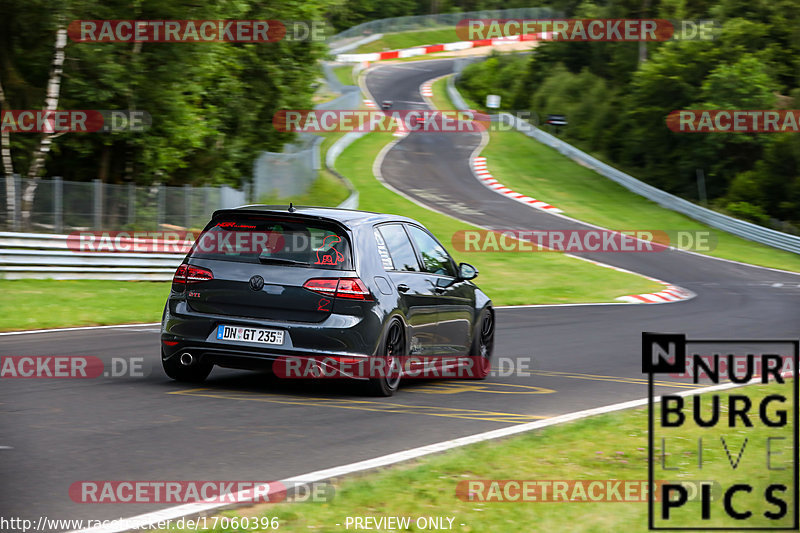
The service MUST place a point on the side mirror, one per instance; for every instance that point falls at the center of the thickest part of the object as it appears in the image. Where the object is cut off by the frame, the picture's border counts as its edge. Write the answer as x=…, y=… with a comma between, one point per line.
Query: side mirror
x=467, y=271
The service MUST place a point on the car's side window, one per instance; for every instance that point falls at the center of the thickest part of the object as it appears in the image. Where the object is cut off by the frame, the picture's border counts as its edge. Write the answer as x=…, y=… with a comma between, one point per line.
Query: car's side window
x=434, y=257
x=399, y=247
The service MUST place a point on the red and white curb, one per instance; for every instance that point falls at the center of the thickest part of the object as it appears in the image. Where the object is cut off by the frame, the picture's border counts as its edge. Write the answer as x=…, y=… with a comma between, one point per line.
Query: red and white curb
x=672, y=293
x=436, y=48
x=427, y=89
x=479, y=168
x=401, y=130
x=370, y=104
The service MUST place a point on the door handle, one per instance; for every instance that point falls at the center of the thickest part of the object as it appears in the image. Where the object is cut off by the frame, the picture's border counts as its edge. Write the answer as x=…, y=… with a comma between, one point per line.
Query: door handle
x=403, y=287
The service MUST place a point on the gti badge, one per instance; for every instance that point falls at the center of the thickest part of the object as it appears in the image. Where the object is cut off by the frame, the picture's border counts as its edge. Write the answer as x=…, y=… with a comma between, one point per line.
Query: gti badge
x=256, y=283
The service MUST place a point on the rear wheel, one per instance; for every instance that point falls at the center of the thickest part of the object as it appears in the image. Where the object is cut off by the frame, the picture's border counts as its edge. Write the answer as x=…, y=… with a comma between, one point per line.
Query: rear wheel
x=390, y=370
x=194, y=373
x=483, y=345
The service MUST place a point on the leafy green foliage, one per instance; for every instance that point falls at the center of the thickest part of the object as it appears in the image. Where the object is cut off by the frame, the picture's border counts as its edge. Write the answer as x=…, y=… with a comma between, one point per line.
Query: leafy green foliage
x=211, y=103
x=616, y=104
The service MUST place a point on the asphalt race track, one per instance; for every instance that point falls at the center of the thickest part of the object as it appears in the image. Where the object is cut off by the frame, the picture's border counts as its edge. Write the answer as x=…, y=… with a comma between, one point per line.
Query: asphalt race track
x=244, y=426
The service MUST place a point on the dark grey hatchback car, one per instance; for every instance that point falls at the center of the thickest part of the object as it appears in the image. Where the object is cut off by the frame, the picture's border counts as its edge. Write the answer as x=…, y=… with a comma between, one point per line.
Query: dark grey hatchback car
x=264, y=285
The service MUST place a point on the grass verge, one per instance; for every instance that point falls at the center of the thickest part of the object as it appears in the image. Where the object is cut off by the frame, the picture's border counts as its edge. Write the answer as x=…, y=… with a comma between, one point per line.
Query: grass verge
x=529, y=167
x=409, y=39
x=440, y=98
x=344, y=74
x=327, y=190
x=509, y=278
x=40, y=304
x=605, y=447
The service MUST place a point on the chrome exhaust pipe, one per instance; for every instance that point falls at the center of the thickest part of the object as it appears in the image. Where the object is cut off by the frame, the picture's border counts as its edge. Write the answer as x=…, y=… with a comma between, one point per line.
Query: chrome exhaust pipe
x=187, y=359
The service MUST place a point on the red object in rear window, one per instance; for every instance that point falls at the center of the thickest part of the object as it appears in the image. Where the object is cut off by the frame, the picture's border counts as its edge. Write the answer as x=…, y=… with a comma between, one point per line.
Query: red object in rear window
x=352, y=288
x=191, y=274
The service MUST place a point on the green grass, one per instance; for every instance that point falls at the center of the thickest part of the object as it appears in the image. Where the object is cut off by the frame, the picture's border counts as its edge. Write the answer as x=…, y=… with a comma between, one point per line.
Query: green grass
x=440, y=98
x=327, y=190
x=531, y=168
x=509, y=278
x=38, y=304
x=606, y=447
x=344, y=74
x=409, y=39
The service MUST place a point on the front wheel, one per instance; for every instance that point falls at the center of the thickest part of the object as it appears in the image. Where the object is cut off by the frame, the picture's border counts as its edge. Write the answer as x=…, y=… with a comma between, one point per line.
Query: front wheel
x=391, y=368
x=483, y=345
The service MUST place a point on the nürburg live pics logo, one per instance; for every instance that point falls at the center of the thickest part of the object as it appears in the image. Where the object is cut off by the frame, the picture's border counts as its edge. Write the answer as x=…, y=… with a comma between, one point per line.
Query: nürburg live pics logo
x=742, y=439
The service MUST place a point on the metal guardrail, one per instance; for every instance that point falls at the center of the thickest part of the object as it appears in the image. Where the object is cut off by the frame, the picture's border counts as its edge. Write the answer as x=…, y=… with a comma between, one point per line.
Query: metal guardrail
x=441, y=20
x=735, y=226
x=46, y=256
x=342, y=48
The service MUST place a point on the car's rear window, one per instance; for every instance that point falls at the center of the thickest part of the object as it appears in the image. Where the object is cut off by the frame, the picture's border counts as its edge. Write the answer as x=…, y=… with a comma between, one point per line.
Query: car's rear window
x=277, y=241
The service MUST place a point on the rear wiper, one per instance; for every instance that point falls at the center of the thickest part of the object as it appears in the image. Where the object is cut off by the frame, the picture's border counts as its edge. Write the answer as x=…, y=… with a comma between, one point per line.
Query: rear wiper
x=280, y=260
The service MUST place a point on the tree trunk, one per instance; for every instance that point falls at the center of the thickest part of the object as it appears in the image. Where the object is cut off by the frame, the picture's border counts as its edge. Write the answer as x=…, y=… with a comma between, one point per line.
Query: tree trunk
x=8, y=163
x=46, y=139
x=643, y=43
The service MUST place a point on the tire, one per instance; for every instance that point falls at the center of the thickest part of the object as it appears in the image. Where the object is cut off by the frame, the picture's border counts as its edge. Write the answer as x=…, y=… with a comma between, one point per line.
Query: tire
x=483, y=345
x=196, y=373
x=393, y=346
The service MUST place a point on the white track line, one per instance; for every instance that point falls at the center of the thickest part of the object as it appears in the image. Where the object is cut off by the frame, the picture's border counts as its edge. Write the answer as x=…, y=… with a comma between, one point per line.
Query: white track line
x=194, y=509
x=80, y=328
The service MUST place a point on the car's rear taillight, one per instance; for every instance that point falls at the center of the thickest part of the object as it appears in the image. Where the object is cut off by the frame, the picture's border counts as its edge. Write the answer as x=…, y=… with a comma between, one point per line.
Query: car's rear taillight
x=191, y=274
x=197, y=274
x=180, y=274
x=322, y=285
x=352, y=288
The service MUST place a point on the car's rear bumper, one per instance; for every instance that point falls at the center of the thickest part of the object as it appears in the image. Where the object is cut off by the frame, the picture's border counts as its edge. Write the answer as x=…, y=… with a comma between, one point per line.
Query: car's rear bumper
x=183, y=330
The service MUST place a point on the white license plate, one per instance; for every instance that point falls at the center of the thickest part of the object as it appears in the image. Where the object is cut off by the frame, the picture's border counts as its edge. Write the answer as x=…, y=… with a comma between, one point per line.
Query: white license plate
x=242, y=334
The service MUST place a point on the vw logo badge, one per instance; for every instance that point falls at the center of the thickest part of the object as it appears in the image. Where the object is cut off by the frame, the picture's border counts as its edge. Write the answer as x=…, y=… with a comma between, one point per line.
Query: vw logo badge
x=256, y=283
